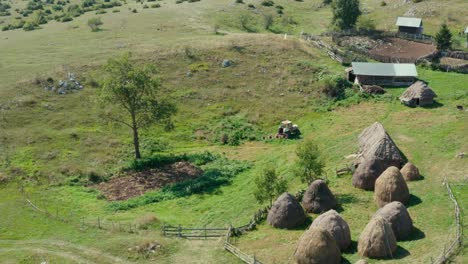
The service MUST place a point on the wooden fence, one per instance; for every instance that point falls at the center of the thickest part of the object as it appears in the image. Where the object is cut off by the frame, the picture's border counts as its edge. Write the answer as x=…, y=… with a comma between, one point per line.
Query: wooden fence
x=178, y=231
x=452, y=248
x=236, y=251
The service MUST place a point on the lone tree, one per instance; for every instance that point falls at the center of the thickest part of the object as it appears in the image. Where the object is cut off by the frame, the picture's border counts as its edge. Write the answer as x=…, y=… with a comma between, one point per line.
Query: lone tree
x=94, y=23
x=309, y=165
x=269, y=185
x=134, y=96
x=444, y=38
x=345, y=13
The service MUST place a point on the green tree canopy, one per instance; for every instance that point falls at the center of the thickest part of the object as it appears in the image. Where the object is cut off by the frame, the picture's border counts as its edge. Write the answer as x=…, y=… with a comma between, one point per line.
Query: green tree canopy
x=308, y=165
x=133, y=97
x=345, y=13
x=268, y=185
x=444, y=38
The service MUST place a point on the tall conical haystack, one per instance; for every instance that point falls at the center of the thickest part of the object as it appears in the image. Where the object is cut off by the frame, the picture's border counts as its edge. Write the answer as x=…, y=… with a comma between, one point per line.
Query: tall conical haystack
x=377, y=152
x=332, y=222
x=286, y=212
x=397, y=215
x=318, y=198
x=410, y=172
x=377, y=240
x=317, y=246
x=390, y=187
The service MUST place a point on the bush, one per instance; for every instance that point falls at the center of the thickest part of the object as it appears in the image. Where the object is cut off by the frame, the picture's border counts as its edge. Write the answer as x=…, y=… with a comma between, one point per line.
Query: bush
x=233, y=130
x=94, y=23
x=268, y=3
x=29, y=26
x=334, y=86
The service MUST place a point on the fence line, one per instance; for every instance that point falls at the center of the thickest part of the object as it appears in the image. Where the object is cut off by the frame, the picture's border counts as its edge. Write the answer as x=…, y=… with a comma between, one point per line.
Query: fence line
x=82, y=222
x=457, y=243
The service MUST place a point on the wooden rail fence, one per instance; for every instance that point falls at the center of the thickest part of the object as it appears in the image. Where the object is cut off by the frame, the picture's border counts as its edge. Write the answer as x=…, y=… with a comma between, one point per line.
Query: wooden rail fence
x=457, y=243
x=179, y=231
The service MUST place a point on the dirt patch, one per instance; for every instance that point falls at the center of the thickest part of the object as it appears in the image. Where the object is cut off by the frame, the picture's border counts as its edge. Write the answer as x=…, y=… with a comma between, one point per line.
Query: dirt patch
x=401, y=48
x=134, y=184
x=453, y=62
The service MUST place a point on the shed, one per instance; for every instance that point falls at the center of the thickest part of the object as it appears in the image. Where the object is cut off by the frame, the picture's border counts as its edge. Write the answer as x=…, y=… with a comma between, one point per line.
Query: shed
x=395, y=74
x=418, y=94
x=410, y=25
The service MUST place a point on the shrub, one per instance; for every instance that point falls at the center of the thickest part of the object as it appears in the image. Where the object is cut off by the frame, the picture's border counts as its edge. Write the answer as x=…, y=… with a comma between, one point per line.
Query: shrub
x=268, y=3
x=29, y=26
x=240, y=1
x=334, y=86
x=94, y=23
x=233, y=130
x=145, y=6
x=66, y=18
x=383, y=3
x=155, y=6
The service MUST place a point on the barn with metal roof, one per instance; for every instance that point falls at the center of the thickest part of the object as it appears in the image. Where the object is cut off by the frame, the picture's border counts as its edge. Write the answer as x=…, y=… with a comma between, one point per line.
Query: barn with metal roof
x=410, y=25
x=396, y=74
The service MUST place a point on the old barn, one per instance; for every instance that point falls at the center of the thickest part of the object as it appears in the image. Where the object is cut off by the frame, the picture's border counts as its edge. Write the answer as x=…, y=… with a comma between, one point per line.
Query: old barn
x=410, y=25
x=394, y=74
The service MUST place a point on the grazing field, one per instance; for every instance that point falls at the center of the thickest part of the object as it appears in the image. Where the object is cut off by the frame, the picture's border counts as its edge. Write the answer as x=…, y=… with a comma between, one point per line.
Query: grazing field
x=57, y=148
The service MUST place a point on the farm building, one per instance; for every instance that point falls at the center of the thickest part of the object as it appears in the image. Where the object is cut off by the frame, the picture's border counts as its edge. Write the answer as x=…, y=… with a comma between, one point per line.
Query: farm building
x=396, y=74
x=410, y=25
x=418, y=94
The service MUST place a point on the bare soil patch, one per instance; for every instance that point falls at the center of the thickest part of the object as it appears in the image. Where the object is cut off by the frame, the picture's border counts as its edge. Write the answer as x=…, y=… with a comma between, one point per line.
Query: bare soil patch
x=401, y=48
x=453, y=62
x=137, y=183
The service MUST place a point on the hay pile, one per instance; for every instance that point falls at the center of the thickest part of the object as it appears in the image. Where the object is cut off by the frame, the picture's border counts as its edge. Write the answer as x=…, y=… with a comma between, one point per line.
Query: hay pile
x=318, y=198
x=332, y=222
x=377, y=240
x=317, y=246
x=377, y=152
x=410, y=172
x=390, y=187
x=397, y=215
x=286, y=212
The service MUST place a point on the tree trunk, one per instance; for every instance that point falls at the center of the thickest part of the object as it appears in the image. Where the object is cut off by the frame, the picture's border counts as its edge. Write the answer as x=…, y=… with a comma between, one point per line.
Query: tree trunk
x=136, y=139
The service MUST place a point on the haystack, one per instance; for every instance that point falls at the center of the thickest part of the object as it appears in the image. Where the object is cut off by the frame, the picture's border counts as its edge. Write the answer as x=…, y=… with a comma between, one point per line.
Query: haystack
x=286, y=212
x=410, y=172
x=397, y=215
x=390, y=187
x=332, y=222
x=377, y=152
x=318, y=198
x=377, y=240
x=418, y=94
x=317, y=246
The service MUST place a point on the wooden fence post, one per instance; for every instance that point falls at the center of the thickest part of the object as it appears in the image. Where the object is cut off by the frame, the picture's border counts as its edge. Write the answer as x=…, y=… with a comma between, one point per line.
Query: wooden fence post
x=180, y=231
x=99, y=222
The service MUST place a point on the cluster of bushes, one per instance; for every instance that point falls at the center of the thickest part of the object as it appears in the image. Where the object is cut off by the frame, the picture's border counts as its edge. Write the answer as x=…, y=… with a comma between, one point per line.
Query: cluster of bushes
x=4, y=9
x=157, y=161
x=234, y=130
x=62, y=11
x=218, y=171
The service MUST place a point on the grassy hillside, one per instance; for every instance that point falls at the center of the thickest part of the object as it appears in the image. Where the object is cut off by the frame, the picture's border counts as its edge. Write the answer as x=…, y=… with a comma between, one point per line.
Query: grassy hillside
x=51, y=142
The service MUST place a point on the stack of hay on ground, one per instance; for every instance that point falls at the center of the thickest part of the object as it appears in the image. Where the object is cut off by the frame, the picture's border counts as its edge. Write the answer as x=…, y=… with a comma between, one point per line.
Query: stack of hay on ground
x=410, y=172
x=318, y=198
x=390, y=187
x=396, y=214
x=332, y=222
x=317, y=246
x=286, y=212
x=418, y=94
x=377, y=153
x=377, y=240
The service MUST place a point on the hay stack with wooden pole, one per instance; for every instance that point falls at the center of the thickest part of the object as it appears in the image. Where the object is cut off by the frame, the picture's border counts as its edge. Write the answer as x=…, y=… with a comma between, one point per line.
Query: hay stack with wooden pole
x=317, y=246
x=418, y=94
x=410, y=172
x=377, y=153
x=377, y=240
x=286, y=212
x=399, y=219
x=390, y=187
x=318, y=198
x=332, y=222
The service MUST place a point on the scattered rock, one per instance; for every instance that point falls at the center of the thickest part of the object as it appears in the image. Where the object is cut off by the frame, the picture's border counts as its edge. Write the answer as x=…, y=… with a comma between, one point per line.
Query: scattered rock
x=460, y=155
x=227, y=63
